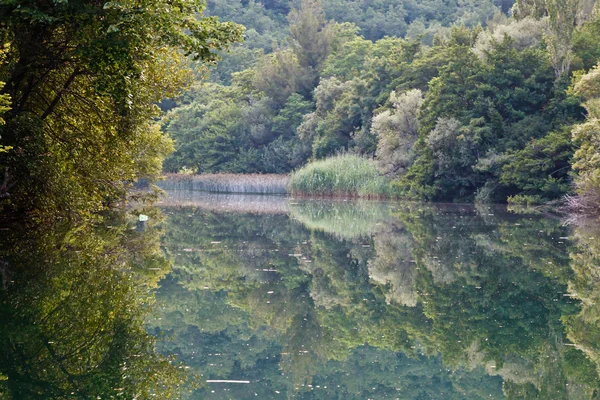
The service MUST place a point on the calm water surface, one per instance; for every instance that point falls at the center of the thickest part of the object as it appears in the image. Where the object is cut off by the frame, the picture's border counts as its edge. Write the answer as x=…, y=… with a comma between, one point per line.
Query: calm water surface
x=301, y=299
x=371, y=300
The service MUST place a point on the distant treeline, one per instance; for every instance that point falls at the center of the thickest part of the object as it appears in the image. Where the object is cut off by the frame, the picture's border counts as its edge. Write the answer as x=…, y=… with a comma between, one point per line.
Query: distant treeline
x=505, y=112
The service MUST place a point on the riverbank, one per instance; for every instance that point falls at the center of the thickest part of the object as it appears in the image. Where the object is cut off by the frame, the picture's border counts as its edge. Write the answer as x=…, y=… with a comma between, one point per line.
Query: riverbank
x=342, y=176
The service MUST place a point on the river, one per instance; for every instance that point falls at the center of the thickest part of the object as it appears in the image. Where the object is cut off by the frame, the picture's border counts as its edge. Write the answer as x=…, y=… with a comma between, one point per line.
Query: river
x=272, y=297
x=323, y=299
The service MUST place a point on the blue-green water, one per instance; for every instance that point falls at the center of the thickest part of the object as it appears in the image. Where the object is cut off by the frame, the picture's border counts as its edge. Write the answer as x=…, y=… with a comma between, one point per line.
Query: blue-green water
x=370, y=300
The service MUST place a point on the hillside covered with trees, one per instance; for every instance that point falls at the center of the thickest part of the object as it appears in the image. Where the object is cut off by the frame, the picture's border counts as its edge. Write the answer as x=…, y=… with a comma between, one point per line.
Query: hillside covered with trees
x=487, y=101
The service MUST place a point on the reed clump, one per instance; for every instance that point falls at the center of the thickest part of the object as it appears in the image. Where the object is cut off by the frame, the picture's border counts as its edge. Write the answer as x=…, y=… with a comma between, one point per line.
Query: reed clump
x=227, y=183
x=343, y=175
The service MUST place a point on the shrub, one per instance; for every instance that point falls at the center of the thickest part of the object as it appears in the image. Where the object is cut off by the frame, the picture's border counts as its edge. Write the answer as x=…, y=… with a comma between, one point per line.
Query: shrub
x=526, y=200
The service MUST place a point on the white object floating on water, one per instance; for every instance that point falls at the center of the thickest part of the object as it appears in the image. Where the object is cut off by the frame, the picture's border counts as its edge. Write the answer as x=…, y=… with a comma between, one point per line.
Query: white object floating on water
x=143, y=218
x=226, y=381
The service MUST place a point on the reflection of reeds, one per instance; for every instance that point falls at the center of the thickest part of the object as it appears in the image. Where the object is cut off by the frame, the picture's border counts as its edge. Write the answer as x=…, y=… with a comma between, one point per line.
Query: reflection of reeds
x=227, y=183
x=223, y=202
x=344, y=219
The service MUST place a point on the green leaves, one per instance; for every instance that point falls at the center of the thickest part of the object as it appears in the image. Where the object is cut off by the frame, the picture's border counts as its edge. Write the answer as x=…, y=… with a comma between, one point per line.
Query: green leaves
x=91, y=73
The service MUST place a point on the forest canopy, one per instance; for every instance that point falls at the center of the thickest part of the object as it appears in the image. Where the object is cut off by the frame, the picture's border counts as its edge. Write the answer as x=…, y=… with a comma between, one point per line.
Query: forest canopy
x=454, y=102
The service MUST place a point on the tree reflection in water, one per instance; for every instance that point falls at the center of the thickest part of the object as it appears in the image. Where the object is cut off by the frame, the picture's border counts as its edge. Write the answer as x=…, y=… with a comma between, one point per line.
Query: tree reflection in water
x=327, y=301
x=379, y=300
x=73, y=304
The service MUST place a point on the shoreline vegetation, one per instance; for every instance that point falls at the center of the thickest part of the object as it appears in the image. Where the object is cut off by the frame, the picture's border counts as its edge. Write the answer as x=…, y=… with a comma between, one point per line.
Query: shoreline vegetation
x=344, y=176
x=226, y=202
x=227, y=183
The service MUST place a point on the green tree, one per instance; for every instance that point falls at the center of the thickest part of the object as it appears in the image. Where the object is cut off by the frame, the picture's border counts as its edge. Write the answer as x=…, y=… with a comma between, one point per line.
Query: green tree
x=563, y=17
x=279, y=75
x=397, y=132
x=311, y=35
x=542, y=168
x=585, y=136
x=81, y=121
x=499, y=105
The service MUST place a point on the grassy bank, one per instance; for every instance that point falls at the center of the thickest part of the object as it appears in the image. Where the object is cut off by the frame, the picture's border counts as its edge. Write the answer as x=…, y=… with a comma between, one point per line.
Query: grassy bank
x=344, y=175
x=227, y=183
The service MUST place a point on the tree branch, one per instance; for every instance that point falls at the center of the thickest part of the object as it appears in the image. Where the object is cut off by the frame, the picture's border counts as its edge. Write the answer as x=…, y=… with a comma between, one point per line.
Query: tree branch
x=59, y=95
x=6, y=185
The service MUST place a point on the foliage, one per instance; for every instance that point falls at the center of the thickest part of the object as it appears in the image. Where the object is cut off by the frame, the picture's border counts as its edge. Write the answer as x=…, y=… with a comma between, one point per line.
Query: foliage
x=585, y=49
x=82, y=98
x=524, y=33
x=562, y=17
x=397, y=132
x=311, y=36
x=267, y=26
x=246, y=135
x=473, y=121
x=542, y=167
x=586, y=135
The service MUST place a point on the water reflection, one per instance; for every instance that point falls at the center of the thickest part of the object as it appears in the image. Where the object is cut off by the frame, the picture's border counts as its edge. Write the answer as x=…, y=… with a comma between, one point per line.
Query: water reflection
x=302, y=299
x=72, y=309
x=381, y=300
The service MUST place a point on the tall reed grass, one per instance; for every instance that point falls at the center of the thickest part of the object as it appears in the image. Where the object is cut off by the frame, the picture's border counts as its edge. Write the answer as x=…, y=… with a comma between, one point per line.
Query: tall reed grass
x=343, y=175
x=227, y=183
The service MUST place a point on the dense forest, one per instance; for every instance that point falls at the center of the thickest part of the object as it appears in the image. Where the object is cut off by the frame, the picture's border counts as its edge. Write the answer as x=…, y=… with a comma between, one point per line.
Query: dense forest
x=452, y=101
x=81, y=80
x=438, y=100
x=486, y=101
